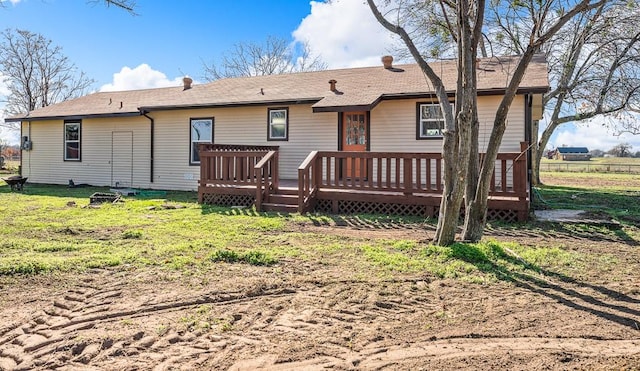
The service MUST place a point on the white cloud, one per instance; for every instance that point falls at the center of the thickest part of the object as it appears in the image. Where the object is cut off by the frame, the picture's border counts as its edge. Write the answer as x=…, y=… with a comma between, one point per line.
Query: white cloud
x=344, y=33
x=14, y=2
x=141, y=77
x=594, y=135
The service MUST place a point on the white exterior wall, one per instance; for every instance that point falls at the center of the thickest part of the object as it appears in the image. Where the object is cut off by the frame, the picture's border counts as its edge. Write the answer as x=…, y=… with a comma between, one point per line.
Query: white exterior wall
x=45, y=162
x=308, y=131
x=392, y=128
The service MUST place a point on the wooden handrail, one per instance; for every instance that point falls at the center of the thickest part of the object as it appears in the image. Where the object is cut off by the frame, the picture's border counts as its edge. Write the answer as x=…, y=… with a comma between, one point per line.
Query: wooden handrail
x=266, y=174
x=235, y=147
x=307, y=181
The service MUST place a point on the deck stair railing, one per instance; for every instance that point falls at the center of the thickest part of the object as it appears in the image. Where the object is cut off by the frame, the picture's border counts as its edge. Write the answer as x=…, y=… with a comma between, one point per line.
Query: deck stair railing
x=237, y=166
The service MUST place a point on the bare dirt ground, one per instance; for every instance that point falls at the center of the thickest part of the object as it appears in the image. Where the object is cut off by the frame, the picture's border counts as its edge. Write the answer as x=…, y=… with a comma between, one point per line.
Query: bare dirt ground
x=306, y=315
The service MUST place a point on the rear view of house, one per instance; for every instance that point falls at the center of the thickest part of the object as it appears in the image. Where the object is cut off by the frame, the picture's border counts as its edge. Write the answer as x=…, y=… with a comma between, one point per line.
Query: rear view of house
x=350, y=140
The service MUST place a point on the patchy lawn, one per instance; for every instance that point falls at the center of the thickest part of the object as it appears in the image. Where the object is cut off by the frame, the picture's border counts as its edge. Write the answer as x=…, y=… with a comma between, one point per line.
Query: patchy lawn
x=168, y=283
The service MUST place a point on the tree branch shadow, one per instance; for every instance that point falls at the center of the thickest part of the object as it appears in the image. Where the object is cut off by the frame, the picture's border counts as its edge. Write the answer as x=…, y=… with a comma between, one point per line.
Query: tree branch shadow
x=538, y=280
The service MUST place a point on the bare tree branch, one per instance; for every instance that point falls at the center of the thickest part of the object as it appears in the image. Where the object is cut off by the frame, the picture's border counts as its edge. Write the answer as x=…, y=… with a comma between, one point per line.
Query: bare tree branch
x=273, y=57
x=37, y=73
x=127, y=5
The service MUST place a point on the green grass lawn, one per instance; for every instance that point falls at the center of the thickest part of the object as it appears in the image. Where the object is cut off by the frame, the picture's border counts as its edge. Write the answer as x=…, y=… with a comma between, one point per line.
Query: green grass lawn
x=595, y=165
x=52, y=228
x=616, y=195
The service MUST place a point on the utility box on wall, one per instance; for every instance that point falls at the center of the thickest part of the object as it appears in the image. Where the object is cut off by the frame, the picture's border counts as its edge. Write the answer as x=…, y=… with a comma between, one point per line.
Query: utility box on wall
x=26, y=144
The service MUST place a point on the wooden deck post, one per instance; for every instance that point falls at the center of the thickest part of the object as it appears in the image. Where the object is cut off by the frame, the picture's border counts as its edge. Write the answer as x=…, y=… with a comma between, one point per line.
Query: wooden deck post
x=408, y=176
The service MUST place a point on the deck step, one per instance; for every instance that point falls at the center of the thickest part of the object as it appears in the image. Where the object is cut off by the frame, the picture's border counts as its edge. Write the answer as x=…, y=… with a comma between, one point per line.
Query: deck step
x=283, y=199
x=268, y=206
x=287, y=191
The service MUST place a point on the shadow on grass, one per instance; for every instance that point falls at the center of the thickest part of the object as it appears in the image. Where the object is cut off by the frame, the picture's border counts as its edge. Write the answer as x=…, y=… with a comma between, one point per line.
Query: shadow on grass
x=564, y=291
x=57, y=190
x=361, y=221
x=621, y=204
x=562, y=231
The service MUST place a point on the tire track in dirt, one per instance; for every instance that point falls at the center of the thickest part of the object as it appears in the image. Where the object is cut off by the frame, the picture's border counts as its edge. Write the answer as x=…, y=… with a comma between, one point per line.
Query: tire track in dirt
x=343, y=325
x=54, y=336
x=380, y=358
x=27, y=344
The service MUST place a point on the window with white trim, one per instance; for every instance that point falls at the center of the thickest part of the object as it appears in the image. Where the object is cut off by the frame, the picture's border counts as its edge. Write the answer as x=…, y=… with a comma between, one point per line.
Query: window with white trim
x=278, y=124
x=72, y=140
x=430, y=121
x=201, y=132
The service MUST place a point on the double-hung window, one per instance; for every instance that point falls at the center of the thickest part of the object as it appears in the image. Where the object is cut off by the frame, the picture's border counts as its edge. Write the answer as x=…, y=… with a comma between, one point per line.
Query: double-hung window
x=430, y=121
x=278, y=124
x=201, y=132
x=72, y=137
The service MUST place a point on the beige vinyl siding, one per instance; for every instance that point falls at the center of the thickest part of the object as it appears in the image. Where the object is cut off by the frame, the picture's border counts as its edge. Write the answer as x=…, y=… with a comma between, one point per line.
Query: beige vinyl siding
x=393, y=126
x=45, y=164
x=393, y=129
x=308, y=131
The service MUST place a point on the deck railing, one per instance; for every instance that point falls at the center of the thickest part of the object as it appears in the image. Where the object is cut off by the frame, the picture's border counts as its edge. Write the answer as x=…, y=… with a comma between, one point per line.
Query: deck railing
x=238, y=166
x=380, y=171
x=266, y=173
x=398, y=172
x=209, y=147
x=229, y=167
x=307, y=182
x=333, y=174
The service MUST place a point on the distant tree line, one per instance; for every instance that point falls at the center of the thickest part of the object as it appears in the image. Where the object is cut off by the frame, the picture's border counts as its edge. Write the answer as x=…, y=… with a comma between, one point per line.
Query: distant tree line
x=620, y=150
x=9, y=152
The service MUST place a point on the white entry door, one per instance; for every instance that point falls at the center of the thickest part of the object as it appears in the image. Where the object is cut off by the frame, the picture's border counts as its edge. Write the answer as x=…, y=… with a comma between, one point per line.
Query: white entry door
x=122, y=159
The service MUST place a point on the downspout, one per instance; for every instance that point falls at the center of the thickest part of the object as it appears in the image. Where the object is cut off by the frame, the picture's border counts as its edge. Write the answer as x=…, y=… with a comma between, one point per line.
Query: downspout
x=528, y=112
x=152, y=140
x=22, y=151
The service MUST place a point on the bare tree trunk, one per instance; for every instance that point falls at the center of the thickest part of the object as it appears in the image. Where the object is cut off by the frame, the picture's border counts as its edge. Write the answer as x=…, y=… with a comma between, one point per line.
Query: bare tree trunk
x=453, y=191
x=537, y=151
x=458, y=162
x=476, y=215
x=452, y=194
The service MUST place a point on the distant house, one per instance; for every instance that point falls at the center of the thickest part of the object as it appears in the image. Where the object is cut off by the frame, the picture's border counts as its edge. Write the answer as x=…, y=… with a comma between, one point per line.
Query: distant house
x=572, y=154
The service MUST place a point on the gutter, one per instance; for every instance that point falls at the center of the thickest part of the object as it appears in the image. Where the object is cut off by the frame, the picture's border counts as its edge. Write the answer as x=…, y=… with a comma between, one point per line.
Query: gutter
x=152, y=140
x=71, y=117
x=230, y=104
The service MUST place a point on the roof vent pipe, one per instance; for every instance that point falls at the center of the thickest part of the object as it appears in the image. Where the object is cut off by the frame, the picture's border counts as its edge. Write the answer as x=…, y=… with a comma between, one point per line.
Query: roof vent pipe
x=187, y=82
x=332, y=84
x=387, y=62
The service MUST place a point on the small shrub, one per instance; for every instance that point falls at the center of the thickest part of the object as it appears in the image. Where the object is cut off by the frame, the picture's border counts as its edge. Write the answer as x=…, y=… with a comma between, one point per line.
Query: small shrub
x=132, y=235
x=252, y=257
x=25, y=267
x=224, y=255
x=257, y=258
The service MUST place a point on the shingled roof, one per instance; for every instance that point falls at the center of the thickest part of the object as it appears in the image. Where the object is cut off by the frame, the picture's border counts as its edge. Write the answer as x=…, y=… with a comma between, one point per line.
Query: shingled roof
x=356, y=88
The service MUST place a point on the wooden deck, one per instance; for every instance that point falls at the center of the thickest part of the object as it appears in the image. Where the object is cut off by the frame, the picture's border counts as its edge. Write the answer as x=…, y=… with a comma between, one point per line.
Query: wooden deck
x=350, y=182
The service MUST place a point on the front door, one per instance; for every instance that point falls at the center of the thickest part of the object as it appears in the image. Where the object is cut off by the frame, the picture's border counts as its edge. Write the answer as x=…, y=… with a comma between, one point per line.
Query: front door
x=122, y=159
x=354, y=138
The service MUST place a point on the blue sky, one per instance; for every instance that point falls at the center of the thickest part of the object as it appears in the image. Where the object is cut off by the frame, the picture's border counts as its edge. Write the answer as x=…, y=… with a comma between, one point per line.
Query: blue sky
x=172, y=37
x=168, y=40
